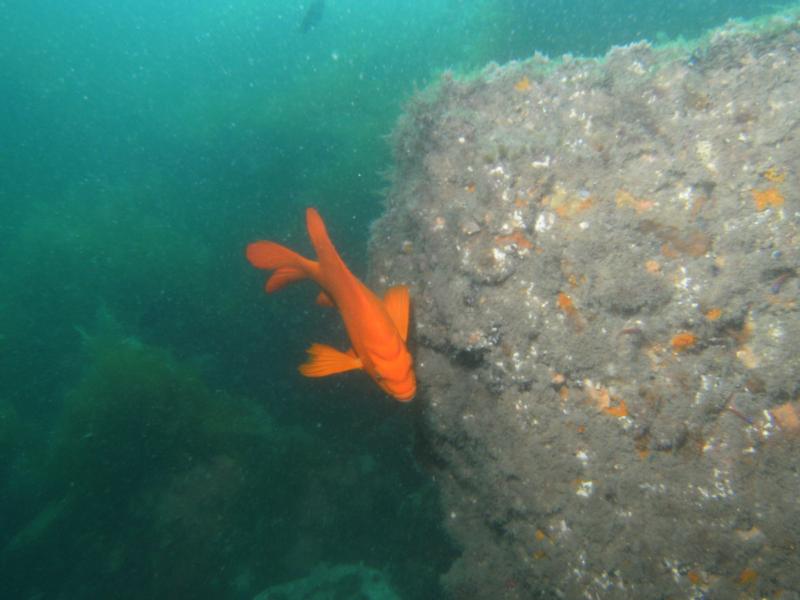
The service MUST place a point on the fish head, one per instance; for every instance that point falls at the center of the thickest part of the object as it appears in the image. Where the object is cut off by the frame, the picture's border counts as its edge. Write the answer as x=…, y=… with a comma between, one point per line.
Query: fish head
x=396, y=377
x=402, y=390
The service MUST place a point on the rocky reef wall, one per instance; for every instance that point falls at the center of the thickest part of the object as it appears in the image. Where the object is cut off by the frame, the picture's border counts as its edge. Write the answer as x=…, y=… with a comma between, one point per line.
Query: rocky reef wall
x=604, y=255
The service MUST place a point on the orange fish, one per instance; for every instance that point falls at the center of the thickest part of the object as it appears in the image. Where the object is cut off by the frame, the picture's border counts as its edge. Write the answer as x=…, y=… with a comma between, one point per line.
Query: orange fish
x=377, y=328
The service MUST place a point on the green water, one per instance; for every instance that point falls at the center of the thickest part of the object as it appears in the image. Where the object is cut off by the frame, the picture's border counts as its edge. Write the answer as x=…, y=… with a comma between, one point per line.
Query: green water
x=156, y=440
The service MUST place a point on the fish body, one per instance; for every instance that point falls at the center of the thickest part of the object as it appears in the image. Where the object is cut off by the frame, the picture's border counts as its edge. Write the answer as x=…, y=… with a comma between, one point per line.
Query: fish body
x=377, y=327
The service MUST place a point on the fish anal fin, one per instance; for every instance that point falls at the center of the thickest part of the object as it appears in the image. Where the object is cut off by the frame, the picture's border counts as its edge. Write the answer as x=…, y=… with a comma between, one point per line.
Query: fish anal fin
x=323, y=299
x=397, y=302
x=324, y=360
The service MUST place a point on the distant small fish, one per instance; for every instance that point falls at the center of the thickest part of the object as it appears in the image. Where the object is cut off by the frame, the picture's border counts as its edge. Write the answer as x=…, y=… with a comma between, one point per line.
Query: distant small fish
x=313, y=16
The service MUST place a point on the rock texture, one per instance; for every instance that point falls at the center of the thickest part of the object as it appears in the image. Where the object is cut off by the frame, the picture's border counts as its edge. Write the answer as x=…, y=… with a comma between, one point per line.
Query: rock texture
x=604, y=258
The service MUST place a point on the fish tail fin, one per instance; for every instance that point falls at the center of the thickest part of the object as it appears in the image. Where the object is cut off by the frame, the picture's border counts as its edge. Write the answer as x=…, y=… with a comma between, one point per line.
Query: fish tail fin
x=288, y=265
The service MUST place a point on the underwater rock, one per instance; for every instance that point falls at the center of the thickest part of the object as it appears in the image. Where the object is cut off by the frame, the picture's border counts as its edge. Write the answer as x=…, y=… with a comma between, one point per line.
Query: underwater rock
x=604, y=257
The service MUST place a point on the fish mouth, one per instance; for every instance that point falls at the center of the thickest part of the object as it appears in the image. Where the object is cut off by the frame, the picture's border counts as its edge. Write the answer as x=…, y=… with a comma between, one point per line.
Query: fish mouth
x=404, y=396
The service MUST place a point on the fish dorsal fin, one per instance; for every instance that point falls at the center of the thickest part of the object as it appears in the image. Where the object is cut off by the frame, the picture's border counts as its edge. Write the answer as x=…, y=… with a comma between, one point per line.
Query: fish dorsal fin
x=397, y=303
x=324, y=360
x=323, y=299
x=323, y=246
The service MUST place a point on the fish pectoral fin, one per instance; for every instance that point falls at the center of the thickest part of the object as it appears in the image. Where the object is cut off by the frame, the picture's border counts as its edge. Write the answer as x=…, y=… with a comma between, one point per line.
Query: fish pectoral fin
x=397, y=302
x=324, y=360
x=323, y=299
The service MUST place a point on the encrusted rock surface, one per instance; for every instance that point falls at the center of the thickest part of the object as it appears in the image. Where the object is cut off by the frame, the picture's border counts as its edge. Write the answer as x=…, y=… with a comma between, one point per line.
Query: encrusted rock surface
x=604, y=259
